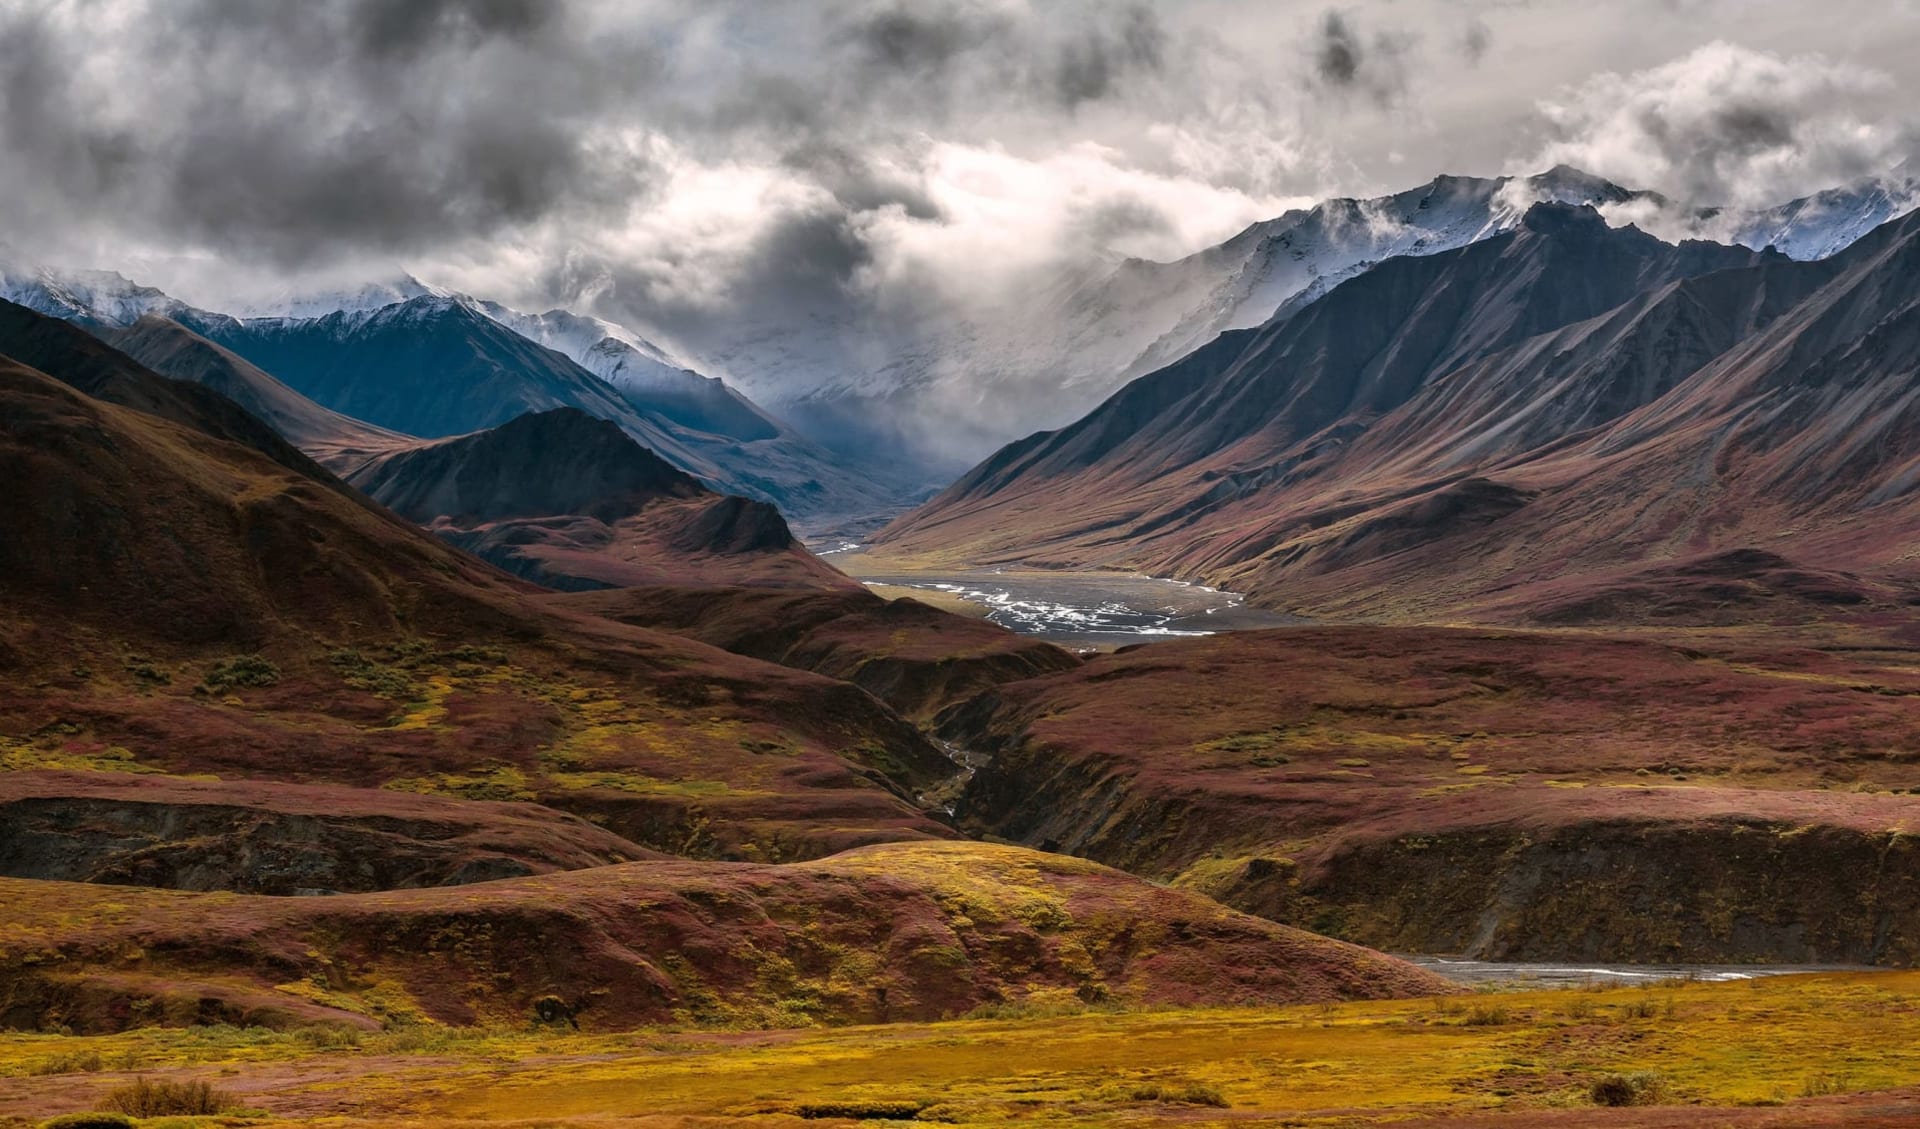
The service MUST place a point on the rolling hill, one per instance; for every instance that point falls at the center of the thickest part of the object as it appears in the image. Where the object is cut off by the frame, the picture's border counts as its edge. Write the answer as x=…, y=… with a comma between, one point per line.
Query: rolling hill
x=897, y=932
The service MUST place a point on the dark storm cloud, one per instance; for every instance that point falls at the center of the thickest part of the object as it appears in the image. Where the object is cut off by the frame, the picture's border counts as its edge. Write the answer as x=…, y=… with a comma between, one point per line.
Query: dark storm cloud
x=858, y=181
x=303, y=131
x=1753, y=127
x=953, y=49
x=300, y=132
x=1088, y=69
x=404, y=28
x=1346, y=61
x=1476, y=40
x=918, y=38
x=1337, y=57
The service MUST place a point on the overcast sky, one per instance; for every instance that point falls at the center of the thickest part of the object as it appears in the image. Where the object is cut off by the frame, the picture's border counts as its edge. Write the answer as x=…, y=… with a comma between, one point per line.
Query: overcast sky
x=712, y=155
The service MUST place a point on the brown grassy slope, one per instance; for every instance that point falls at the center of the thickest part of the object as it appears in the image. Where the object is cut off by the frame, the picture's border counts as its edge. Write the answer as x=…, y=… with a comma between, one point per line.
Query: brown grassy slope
x=903, y=931
x=918, y=659
x=261, y=837
x=142, y=558
x=1504, y=794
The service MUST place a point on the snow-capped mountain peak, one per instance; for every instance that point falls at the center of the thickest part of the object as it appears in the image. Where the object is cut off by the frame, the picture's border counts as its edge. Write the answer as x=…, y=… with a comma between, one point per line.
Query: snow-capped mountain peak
x=99, y=296
x=1823, y=224
x=302, y=303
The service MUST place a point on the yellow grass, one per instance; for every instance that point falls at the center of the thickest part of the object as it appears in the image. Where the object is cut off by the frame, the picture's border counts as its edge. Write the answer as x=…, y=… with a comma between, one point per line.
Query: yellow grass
x=1744, y=1043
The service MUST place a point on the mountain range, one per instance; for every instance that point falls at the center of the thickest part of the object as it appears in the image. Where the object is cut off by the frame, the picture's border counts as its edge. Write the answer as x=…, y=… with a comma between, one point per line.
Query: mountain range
x=1507, y=430
x=414, y=362
x=884, y=407
x=948, y=387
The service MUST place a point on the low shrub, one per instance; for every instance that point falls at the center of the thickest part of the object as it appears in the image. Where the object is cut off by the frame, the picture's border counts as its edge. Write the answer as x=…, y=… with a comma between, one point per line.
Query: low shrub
x=1825, y=1085
x=1642, y=1087
x=95, y=1120
x=146, y=670
x=330, y=1037
x=1181, y=1093
x=1488, y=1015
x=148, y=1098
x=239, y=672
x=69, y=1062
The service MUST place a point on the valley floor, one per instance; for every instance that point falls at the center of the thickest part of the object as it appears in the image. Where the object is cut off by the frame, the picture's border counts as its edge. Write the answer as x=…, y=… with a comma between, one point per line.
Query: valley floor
x=1815, y=1050
x=1085, y=609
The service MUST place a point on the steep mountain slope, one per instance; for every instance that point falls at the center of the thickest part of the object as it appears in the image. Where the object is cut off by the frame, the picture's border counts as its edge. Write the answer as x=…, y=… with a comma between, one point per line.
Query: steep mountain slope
x=642, y=371
x=173, y=350
x=1774, y=481
x=1735, y=445
x=181, y=604
x=763, y=456
x=84, y=296
x=749, y=450
x=1182, y=466
x=570, y=501
x=1802, y=440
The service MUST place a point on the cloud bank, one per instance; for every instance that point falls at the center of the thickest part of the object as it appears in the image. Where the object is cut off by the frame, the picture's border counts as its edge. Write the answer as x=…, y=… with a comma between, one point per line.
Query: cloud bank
x=882, y=183
x=1728, y=125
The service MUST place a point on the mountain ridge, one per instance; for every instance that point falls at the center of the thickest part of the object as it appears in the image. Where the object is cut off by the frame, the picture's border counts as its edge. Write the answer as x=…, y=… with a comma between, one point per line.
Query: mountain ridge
x=1332, y=505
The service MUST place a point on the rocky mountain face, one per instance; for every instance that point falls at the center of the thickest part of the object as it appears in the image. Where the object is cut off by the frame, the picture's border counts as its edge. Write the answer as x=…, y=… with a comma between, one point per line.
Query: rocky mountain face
x=430, y=367
x=1254, y=416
